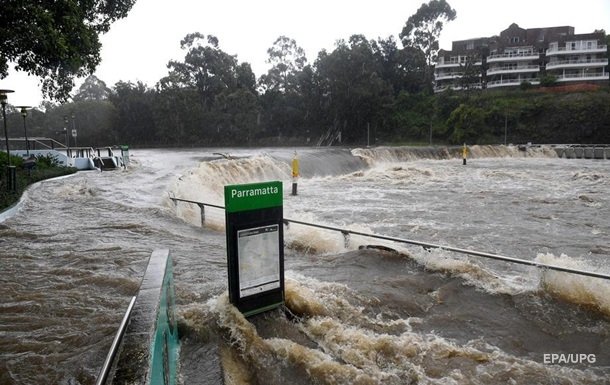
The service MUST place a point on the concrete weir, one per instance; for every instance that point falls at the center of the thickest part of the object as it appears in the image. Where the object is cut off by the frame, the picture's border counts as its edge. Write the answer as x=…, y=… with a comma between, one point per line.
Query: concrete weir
x=148, y=351
x=583, y=151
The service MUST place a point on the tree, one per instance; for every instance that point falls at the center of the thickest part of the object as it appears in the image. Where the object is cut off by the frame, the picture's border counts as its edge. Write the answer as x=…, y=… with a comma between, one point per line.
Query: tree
x=422, y=30
x=287, y=60
x=240, y=111
x=548, y=80
x=206, y=67
x=467, y=124
x=56, y=40
x=246, y=78
x=92, y=89
x=354, y=91
x=471, y=73
x=134, y=105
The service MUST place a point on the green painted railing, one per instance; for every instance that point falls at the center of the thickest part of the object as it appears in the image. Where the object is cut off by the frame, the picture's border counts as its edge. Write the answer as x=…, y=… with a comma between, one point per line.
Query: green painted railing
x=148, y=350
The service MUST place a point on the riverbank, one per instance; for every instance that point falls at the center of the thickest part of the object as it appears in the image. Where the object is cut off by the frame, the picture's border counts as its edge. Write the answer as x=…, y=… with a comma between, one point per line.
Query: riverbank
x=45, y=168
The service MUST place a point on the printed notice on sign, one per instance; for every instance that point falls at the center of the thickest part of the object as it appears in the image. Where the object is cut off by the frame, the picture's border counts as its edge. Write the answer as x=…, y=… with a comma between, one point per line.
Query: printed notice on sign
x=258, y=256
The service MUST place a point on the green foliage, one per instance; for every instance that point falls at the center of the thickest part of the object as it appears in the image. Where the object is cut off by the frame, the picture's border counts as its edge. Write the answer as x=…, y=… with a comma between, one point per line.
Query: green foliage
x=47, y=161
x=548, y=80
x=46, y=167
x=422, y=30
x=15, y=160
x=206, y=68
x=211, y=99
x=56, y=40
x=466, y=124
x=92, y=89
x=287, y=60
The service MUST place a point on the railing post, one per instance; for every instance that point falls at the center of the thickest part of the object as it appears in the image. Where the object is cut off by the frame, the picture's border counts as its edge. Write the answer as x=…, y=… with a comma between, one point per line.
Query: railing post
x=202, y=209
x=345, y=238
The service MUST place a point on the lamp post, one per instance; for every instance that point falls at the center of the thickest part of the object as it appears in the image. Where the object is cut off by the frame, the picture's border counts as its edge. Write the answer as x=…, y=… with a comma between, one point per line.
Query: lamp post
x=24, y=113
x=66, y=131
x=3, y=99
x=505, y=127
x=10, y=171
x=74, y=130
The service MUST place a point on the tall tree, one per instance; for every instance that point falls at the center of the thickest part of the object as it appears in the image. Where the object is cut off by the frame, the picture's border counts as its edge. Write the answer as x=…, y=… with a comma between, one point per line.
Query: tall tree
x=206, y=67
x=92, y=89
x=422, y=30
x=56, y=40
x=354, y=91
x=287, y=59
x=134, y=104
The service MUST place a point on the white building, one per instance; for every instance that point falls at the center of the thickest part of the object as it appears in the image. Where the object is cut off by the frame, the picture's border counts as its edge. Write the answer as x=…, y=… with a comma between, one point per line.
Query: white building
x=520, y=56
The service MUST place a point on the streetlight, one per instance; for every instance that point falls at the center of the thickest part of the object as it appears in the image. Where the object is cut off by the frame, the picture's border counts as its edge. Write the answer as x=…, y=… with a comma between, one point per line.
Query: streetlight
x=3, y=99
x=66, y=131
x=74, y=130
x=11, y=175
x=24, y=113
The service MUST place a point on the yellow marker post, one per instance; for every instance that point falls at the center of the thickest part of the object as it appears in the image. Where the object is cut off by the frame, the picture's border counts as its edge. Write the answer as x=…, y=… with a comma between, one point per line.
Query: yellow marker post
x=295, y=173
x=464, y=154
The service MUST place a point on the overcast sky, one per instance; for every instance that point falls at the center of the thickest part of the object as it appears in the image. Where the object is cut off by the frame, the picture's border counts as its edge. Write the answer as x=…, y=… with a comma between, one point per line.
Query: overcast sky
x=139, y=46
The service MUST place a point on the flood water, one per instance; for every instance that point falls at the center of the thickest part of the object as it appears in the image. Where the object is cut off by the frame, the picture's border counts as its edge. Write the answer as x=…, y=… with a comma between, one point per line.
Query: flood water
x=75, y=250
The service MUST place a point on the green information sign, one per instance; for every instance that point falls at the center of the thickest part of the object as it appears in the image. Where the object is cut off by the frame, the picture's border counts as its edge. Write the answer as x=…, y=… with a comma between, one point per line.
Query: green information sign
x=255, y=246
x=254, y=196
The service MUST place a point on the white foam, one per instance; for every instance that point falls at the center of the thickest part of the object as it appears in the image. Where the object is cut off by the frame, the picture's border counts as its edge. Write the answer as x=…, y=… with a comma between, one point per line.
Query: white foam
x=581, y=290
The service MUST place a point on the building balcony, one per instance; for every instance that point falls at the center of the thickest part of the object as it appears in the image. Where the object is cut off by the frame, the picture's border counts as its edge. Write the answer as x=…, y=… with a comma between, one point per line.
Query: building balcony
x=511, y=57
x=591, y=63
x=583, y=76
x=513, y=70
x=452, y=75
x=456, y=65
x=447, y=65
x=444, y=87
x=448, y=76
x=570, y=51
x=511, y=82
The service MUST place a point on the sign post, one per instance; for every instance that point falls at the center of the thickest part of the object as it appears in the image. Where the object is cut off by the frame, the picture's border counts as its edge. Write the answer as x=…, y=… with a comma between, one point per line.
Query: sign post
x=255, y=246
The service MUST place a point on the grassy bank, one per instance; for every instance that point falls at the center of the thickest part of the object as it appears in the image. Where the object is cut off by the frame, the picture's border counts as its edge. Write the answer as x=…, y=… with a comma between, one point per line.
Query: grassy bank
x=45, y=168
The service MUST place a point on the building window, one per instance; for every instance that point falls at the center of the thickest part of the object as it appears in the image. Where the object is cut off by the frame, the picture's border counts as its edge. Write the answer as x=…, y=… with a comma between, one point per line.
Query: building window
x=470, y=45
x=515, y=39
x=573, y=46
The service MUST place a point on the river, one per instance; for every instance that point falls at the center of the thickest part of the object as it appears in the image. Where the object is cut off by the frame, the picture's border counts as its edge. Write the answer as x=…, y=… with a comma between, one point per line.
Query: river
x=74, y=251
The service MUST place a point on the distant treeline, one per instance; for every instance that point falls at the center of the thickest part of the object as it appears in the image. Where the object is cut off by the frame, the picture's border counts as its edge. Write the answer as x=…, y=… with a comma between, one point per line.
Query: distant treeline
x=364, y=91
x=136, y=115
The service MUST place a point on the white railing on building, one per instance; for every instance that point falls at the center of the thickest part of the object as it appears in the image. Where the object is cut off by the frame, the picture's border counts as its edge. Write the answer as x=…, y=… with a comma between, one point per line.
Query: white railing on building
x=447, y=65
x=510, y=70
x=445, y=76
x=456, y=65
x=568, y=50
x=456, y=87
x=513, y=56
x=583, y=76
x=578, y=63
x=511, y=82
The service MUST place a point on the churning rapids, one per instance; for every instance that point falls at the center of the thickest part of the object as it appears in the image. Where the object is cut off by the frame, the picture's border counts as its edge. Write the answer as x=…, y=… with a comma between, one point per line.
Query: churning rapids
x=74, y=251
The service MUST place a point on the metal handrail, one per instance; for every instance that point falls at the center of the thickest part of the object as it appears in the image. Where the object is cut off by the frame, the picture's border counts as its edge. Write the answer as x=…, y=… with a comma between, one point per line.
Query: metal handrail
x=103, y=376
x=427, y=245
x=196, y=203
